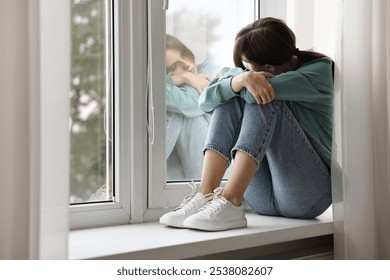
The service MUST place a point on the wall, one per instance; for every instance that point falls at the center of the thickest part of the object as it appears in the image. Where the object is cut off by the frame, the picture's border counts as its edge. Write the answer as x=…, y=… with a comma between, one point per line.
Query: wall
x=14, y=135
x=34, y=120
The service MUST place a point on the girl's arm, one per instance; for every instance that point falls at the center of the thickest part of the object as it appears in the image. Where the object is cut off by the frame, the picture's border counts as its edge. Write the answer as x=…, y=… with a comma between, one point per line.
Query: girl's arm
x=220, y=89
x=183, y=99
x=256, y=84
x=199, y=81
x=312, y=82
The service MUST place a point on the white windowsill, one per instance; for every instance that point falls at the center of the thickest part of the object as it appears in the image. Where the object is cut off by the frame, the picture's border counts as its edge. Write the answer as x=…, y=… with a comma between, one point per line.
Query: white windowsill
x=154, y=241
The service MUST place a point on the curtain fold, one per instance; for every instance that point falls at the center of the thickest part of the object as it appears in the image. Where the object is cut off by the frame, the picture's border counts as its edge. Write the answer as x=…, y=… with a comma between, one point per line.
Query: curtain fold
x=363, y=76
x=381, y=112
x=356, y=34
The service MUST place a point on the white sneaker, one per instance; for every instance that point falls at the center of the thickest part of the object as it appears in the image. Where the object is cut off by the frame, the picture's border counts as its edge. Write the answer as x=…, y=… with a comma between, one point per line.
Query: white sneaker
x=219, y=214
x=190, y=204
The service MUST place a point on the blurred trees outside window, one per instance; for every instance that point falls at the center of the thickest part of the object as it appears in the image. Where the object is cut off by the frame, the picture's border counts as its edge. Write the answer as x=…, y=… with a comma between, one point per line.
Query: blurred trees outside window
x=88, y=98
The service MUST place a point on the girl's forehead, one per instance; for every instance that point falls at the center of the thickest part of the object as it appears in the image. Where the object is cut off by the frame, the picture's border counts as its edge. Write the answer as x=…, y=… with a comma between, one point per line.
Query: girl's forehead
x=172, y=55
x=171, y=51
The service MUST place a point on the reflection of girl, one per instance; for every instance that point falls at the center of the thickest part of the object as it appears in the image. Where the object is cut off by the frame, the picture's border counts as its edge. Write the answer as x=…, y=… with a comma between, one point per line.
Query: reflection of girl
x=281, y=146
x=187, y=125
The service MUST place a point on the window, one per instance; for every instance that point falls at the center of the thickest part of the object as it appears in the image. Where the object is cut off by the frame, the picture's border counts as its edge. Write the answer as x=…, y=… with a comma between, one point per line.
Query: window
x=90, y=102
x=208, y=29
x=100, y=29
x=120, y=62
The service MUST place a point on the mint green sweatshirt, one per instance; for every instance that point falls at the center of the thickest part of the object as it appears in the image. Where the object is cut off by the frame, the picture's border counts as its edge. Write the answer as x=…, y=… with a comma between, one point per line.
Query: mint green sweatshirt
x=184, y=99
x=308, y=92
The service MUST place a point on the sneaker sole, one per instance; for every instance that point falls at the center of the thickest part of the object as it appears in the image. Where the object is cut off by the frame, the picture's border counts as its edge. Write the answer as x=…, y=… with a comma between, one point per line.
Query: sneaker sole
x=171, y=222
x=241, y=223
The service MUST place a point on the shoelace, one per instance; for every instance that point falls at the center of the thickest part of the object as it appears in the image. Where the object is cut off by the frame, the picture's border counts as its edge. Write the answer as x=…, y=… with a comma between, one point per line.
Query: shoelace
x=188, y=197
x=190, y=200
x=216, y=203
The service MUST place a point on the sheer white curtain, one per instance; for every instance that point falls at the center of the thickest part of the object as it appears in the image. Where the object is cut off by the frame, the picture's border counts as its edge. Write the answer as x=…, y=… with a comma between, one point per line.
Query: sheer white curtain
x=364, y=76
x=356, y=34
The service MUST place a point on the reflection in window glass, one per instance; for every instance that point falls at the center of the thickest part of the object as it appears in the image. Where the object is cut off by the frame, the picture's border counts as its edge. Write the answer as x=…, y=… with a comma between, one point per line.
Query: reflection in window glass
x=89, y=158
x=199, y=42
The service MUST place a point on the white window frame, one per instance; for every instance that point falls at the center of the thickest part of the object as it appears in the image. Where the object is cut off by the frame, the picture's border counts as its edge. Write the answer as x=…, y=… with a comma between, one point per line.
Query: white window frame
x=130, y=139
x=141, y=189
x=272, y=8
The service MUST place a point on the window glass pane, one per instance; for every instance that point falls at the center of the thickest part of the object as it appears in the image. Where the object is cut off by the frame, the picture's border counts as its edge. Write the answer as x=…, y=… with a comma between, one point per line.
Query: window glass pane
x=203, y=37
x=90, y=103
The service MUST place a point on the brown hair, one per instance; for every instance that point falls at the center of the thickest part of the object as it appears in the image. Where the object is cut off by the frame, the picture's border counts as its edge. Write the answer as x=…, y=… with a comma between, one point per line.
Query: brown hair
x=174, y=43
x=268, y=41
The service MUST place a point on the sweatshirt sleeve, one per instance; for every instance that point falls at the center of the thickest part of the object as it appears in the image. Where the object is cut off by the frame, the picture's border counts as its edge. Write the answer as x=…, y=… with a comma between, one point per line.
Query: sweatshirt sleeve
x=310, y=83
x=220, y=91
x=302, y=85
x=183, y=99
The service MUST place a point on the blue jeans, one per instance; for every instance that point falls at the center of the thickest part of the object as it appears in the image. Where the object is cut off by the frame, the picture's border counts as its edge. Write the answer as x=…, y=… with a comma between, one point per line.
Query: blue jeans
x=291, y=179
x=185, y=138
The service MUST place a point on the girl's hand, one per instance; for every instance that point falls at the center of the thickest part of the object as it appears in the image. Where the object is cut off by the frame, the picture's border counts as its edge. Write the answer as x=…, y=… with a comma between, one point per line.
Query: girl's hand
x=257, y=84
x=199, y=81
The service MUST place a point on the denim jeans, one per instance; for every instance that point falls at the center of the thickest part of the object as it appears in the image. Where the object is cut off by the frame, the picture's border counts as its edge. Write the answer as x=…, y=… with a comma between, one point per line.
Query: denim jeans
x=291, y=179
x=185, y=138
